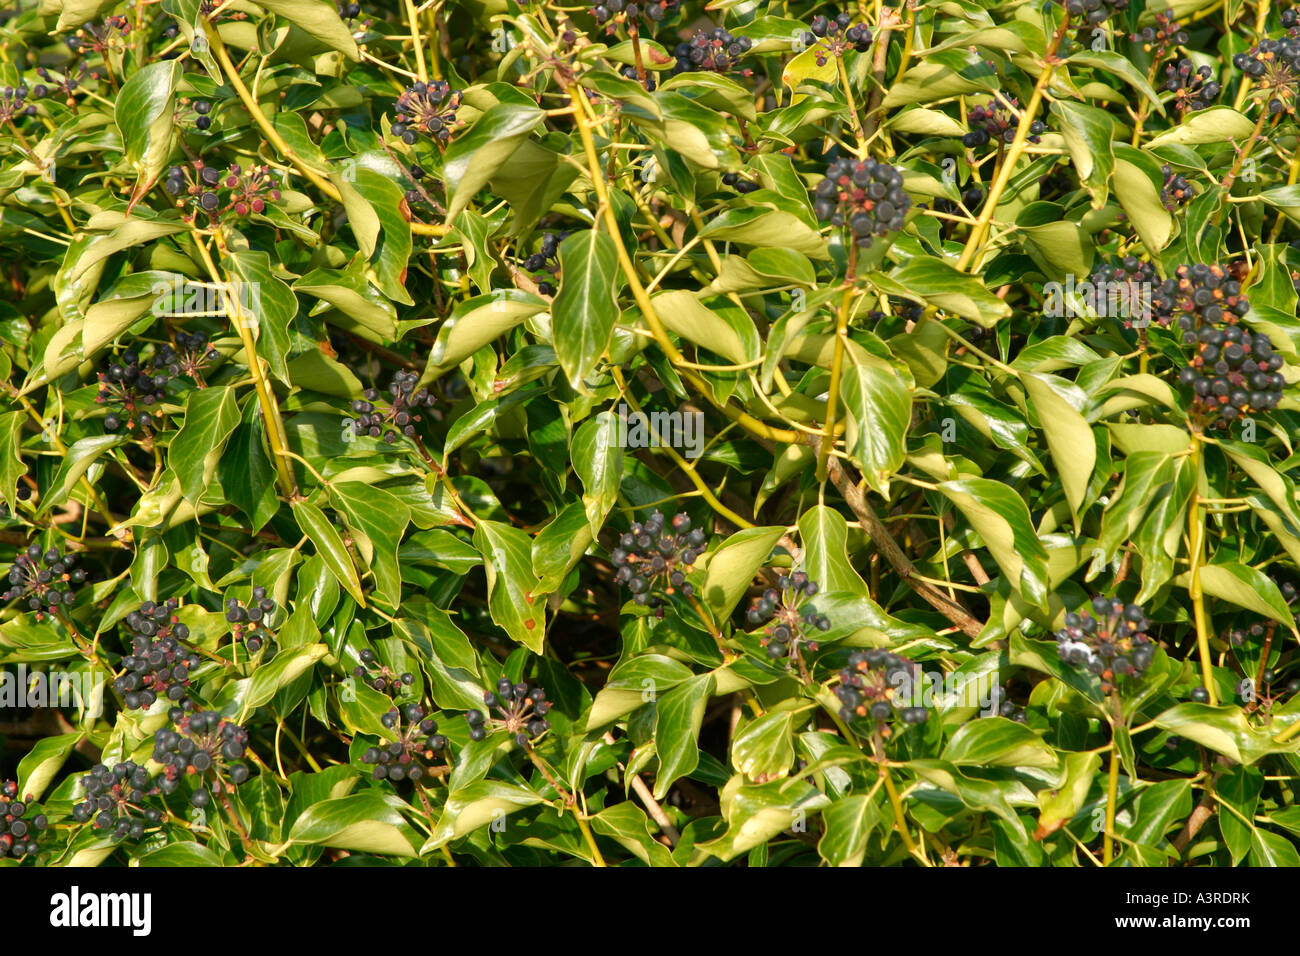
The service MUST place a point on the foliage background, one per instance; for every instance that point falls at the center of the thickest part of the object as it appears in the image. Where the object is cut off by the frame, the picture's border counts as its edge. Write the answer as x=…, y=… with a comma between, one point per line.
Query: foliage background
x=993, y=466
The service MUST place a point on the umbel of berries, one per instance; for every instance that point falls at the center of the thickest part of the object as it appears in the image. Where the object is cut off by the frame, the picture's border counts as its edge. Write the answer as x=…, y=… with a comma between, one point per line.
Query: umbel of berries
x=159, y=665
x=115, y=800
x=788, y=618
x=44, y=580
x=428, y=108
x=1177, y=191
x=836, y=35
x=866, y=195
x=1123, y=290
x=712, y=50
x=379, y=676
x=546, y=260
x=516, y=708
x=656, y=556
x=1234, y=373
x=400, y=412
x=875, y=685
x=1094, y=11
x=1198, y=295
x=249, y=622
x=1109, y=639
x=18, y=831
x=649, y=11
x=995, y=122
x=204, y=746
x=1274, y=68
x=134, y=388
x=1193, y=87
x=417, y=741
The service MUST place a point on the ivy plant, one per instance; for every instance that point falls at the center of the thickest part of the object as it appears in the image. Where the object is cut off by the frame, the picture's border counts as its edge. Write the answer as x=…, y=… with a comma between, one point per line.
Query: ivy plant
x=656, y=433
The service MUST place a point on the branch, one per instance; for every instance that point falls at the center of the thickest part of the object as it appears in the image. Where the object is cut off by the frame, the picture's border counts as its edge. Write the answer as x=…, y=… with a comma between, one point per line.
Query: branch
x=887, y=546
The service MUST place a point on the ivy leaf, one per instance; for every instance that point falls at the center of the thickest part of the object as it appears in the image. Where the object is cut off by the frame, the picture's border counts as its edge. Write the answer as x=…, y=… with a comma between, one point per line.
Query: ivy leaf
x=513, y=595
x=585, y=310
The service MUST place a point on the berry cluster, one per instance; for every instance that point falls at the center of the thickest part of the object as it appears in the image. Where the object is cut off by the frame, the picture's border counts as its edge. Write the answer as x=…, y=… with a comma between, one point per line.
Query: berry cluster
x=1130, y=284
x=1274, y=66
x=379, y=676
x=419, y=194
x=400, y=411
x=190, y=357
x=349, y=11
x=874, y=684
x=1198, y=295
x=68, y=85
x=17, y=834
x=159, y=665
x=742, y=186
x=203, y=113
x=546, y=260
x=521, y=710
x=1095, y=11
x=100, y=38
x=867, y=195
x=249, y=622
x=905, y=309
x=779, y=608
x=1158, y=39
x=836, y=35
x=204, y=745
x=13, y=103
x=1193, y=87
x=651, y=11
x=1110, y=641
x=995, y=121
x=715, y=50
x=428, y=108
x=656, y=552
x=114, y=799
x=247, y=190
x=44, y=579
x=1176, y=190
x=133, y=387
x=1235, y=372
x=419, y=740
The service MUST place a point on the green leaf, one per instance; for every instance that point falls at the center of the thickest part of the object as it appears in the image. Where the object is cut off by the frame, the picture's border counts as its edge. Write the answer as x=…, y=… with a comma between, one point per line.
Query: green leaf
x=1001, y=518
x=381, y=518
x=1074, y=451
x=879, y=408
x=321, y=20
x=143, y=114
x=364, y=822
x=598, y=463
x=848, y=824
x=998, y=742
x=1226, y=730
x=678, y=716
x=513, y=597
x=43, y=762
x=329, y=545
x=477, y=805
x=733, y=565
x=1245, y=587
x=1087, y=131
x=941, y=285
x=210, y=416
x=586, y=308
x=477, y=155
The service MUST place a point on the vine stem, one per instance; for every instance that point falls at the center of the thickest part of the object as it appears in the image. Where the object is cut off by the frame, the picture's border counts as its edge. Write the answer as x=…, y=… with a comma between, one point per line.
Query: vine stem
x=900, y=820
x=413, y=19
x=747, y=421
x=1112, y=794
x=275, y=432
x=1196, y=549
x=980, y=229
x=837, y=360
x=276, y=140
